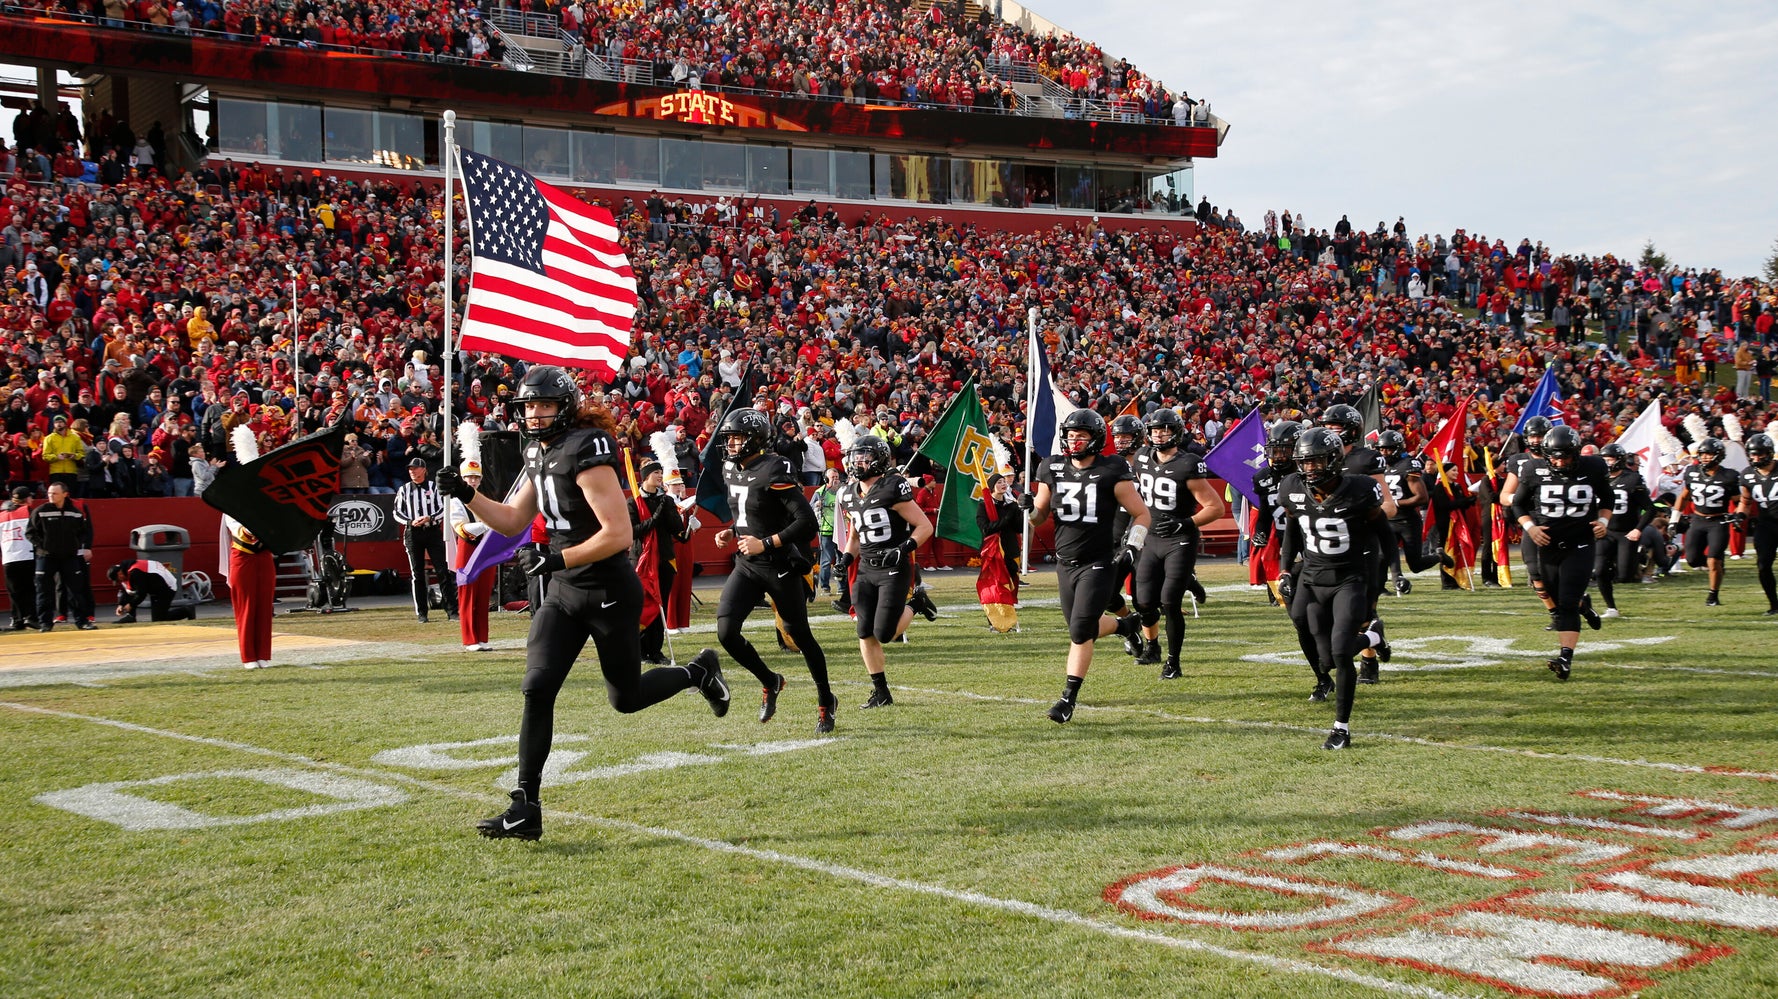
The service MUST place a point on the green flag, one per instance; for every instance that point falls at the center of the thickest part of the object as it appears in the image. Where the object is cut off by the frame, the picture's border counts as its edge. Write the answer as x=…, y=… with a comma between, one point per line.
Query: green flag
x=960, y=444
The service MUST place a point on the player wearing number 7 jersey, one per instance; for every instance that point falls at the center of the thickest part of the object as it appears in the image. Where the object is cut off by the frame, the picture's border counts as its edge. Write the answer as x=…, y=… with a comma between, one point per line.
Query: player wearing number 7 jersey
x=1561, y=502
x=773, y=523
x=1083, y=489
x=1180, y=502
x=571, y=478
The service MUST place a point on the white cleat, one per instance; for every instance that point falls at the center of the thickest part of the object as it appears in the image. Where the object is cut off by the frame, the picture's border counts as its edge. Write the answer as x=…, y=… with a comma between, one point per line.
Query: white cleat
x=1609, y=612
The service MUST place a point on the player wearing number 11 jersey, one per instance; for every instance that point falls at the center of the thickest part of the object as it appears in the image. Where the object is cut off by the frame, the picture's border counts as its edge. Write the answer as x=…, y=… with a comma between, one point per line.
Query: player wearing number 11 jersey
x=1180, y=501
x=1561, y=501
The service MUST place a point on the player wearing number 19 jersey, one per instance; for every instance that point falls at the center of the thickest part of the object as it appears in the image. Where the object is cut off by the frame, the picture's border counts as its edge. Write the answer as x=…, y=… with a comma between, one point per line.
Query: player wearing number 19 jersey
x=1180, y=501
x=1712, y=490
x=887, y=528
x=1082, y=489
x=1560, y=502
x=1759, y=501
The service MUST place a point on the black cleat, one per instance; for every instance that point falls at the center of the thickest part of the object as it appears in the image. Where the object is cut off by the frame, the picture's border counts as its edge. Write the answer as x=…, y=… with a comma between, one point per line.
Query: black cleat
x=1367, y=671
x=1712, y=600
x=521, y=820
x=824, y=718
x=1171, y=670
x=46, y=628
x=1339, y=738
x=878, y=699
x=1589, y=615
x=1561, y=667
x=1129, y=627
x=768, y=702
x=1150, y=654
x=922, y=604
x=126, y=619
x=1196, y=589
x=1323, y=687
x=1132, y=646
x=1404, y=586
x=1061, y=711
x=87, y=626
x=1550, y=627
x=711, y=684
x=842, y=607
x=1772, y=612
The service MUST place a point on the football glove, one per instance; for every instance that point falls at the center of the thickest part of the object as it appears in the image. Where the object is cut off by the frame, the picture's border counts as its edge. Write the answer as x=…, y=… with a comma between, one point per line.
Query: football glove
x=540, y=561
x=1286, y=587
x=1125, y=561
x=452, y=485
x=844, y=561
x=1027, y=501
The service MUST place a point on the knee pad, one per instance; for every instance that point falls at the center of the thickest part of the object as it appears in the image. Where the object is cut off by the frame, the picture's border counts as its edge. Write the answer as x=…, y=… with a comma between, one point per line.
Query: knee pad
x=1150, y=616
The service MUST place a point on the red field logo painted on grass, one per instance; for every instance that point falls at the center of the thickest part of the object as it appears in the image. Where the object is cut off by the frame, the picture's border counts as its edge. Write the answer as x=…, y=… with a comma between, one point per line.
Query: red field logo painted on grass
x=1587, y=886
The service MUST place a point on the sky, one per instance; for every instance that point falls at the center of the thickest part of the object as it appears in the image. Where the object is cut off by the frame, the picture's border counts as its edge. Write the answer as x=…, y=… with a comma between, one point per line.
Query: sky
x=1592, y=125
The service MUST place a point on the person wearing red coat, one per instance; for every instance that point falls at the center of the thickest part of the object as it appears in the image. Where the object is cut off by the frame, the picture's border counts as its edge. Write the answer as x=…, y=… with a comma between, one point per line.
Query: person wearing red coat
x=252, y=582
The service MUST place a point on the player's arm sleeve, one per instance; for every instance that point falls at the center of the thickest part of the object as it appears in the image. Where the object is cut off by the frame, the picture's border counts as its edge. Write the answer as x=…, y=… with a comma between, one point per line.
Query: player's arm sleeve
x=1601, y=494
x=1645, y=506
x=802, y=524
x=1289, y=543
x=1522, y=503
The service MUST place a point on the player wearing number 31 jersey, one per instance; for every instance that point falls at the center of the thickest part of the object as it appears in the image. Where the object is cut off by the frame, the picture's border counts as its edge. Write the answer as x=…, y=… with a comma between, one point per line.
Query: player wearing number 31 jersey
x=1083, y=490
x=1180, y=501
x=1562, y=501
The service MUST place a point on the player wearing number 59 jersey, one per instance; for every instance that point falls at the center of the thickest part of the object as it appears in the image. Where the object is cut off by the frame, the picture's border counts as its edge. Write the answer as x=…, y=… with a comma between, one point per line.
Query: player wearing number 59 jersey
x=571, y=479
x=1759, y=501
x=1083, y=490
x=1561, y=501
x=887, y=528
x=1330, y=518
x=773, y=523
x=1712, y=490
x=1180, y=501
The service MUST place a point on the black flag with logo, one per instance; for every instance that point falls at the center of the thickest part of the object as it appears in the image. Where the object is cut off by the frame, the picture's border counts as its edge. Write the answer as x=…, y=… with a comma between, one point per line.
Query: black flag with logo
x=1372, y=412
x=712, y=494
x=284, y=497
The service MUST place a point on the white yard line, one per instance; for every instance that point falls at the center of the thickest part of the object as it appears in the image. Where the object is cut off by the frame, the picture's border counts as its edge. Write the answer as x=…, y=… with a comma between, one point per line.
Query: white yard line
x=1062, y=917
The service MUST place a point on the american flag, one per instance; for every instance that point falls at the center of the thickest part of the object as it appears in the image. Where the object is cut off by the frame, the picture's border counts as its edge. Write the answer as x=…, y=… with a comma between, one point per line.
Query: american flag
x=550, y=283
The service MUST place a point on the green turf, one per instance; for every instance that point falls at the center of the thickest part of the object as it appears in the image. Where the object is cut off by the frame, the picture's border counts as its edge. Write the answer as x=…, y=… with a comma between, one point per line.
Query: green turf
x=755, y=869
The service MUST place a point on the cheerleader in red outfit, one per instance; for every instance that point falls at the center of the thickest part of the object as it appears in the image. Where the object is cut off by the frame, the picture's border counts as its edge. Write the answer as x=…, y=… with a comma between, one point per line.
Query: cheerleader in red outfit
x=472, y=597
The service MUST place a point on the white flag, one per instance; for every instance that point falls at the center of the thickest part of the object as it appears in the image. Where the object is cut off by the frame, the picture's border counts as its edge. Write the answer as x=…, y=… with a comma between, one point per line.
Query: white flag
x=1642, y=439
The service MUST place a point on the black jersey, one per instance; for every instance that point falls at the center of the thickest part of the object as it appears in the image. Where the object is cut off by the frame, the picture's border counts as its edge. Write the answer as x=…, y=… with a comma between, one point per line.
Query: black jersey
x=1333, y=533
x=1763, y=488
x=1364, y=461
x=1084, y=503
x=553, y=470
x=1266, y=483
x=871, y=512
x=766, y=498
x=1712, y=492
x=1631, y=507
x=1166, y=486
x=1398, y=478
x=1567, y=503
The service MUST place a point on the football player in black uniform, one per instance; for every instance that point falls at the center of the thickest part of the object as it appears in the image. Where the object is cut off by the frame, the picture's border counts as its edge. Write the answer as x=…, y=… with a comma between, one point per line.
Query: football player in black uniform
x=1560, y=503
x=1405, y=479
x=1759, y=502
x=571, y=478
x=1360, y=460
x=1713, y=490
x=773, y=525
x=1329, y=514
x=1082, y=489
x=1126, y=437
x=1631, y=511
x=1530, y=553
x=1268, y=534
x=1180, y=502
x=887, y=529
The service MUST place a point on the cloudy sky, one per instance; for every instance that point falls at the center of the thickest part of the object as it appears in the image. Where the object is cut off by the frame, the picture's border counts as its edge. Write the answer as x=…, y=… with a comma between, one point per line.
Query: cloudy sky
x=1593, y=125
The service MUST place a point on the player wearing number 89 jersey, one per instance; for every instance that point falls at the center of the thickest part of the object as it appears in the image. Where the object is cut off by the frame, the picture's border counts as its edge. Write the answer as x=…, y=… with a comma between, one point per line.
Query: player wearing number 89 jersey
x=1083, y=489
x=1560, y=502
x=1712, y=490
x=1180, y=501
x=1330, y=517
x=887, y=528
x=1759, y=501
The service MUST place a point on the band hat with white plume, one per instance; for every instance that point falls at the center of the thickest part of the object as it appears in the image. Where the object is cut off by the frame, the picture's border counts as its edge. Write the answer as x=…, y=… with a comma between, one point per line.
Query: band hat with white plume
x=1694, y=426
x=845, y=433
x=469, y=445
x=661, y=444
x=1731, y=425
x=1002, y=455
x=246, y=445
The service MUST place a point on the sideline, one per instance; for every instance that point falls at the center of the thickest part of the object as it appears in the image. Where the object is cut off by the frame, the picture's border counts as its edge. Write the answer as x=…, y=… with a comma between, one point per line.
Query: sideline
x=1063, y=917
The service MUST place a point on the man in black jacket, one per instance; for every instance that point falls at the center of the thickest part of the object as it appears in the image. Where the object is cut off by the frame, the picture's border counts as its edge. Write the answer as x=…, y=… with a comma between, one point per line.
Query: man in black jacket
x=62, y=533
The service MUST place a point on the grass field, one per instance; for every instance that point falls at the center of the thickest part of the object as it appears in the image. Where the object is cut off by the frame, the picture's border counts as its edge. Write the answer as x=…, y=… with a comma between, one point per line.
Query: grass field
x=957, y=843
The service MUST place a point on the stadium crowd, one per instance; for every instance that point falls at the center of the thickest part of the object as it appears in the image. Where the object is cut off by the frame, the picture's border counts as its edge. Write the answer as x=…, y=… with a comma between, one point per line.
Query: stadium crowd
x=875, y=50
x=144, y=317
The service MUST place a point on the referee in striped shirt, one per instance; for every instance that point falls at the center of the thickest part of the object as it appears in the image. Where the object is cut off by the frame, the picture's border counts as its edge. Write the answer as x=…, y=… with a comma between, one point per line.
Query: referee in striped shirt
x=420, y=510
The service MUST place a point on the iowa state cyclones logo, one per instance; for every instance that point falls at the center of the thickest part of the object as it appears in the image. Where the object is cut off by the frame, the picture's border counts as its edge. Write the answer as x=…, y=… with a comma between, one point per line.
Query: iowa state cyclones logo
x=305, y=478
x=1603, y=912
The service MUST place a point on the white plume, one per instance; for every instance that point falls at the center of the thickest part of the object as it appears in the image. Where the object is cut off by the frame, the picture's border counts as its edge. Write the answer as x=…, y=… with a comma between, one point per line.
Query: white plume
x=246, y=445
x=661, y=443
x=1731, y=425
x=469, y=442
x=1694, y=425
x=845, y=433
x=1002, y=456
x=1671, y=449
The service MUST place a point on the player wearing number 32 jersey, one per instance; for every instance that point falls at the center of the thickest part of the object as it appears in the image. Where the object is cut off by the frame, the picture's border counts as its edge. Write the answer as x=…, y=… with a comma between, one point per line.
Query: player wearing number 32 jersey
x=571, y=479
x=1083, y=490
x=1562, y=501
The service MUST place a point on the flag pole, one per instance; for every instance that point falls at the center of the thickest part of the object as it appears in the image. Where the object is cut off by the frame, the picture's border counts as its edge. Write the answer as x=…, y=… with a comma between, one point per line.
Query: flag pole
x=296, y=339
x=447, y=430
x=1030, y=410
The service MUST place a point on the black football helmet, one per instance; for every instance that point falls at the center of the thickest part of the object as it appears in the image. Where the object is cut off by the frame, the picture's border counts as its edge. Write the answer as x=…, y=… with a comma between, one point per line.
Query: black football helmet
x=1166, y=422
x=868, y=457
x=1281, y=444
x=548, y=383
x=1533, y=434
x=1320, y=453
x=1346, y=421
x=1084, y=421
x=1711, y=452
x=1760, y=450
x=1561, y=448
x=745, y=433
x=1616, y=457
x=1391, y=443
x=1126, y=435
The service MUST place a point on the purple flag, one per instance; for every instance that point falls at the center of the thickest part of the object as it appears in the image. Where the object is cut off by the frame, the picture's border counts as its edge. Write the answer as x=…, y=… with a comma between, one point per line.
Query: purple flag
x=494, y=549
x=1240, y=454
